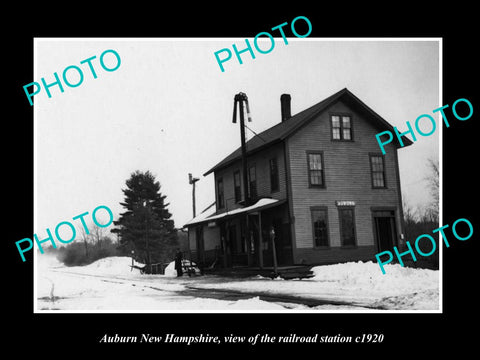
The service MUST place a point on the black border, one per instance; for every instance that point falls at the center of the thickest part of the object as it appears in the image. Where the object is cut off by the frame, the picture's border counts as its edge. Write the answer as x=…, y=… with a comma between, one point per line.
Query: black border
x=78, y=334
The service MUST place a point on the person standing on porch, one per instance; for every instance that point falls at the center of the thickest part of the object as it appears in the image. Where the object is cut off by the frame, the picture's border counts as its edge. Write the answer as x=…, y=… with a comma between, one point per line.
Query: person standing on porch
x=178, y=262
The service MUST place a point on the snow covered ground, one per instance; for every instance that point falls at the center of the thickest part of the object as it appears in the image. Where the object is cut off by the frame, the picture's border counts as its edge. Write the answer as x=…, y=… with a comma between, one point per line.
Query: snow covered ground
x=110, y=285
x=358, y=283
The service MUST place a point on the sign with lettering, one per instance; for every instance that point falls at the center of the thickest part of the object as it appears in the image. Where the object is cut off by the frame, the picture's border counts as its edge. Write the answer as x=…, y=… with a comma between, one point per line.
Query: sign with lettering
x=345, y=203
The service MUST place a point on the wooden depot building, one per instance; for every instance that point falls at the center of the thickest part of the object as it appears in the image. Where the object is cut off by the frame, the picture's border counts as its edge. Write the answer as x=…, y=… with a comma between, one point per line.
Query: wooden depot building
x=319, y=189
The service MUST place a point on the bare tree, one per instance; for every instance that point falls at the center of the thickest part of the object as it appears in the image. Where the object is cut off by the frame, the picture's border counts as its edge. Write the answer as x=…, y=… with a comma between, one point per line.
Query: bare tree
x=408, y=212
x=410, y=219
x=85, y=238
x=98, y=234
x=433, y=179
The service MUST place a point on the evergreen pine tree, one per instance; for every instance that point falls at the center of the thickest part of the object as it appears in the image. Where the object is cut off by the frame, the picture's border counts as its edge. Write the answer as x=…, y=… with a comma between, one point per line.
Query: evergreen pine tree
x=146, y=226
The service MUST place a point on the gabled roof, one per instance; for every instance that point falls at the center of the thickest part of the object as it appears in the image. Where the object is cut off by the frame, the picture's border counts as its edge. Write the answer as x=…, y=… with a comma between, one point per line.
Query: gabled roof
x=288, y=127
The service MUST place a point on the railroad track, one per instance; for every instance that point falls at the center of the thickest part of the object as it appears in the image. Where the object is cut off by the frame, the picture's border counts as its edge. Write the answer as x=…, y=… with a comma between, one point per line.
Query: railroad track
x=204, y=291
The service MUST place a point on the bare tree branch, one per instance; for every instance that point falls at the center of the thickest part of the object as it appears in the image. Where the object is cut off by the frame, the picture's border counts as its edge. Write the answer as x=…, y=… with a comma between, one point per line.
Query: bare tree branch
x=433, y=178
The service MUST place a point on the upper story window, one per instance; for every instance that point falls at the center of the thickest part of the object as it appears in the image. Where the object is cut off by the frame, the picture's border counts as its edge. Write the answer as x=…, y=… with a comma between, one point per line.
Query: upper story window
x=341, y=127
x=220, y=193
x=252, y=182
x=274, y=183
x=377, y=167
x=237, y=186
x=316, y=177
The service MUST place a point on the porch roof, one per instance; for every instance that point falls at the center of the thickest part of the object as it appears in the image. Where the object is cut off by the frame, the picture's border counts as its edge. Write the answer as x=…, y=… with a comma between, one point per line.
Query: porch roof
x=262, y=204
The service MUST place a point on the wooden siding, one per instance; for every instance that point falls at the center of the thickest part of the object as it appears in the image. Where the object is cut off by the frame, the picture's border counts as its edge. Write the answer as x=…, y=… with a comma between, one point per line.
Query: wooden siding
x=192, y=242
x=347, y=177
x=334, y=255
x=262, y=166
x=211, y=237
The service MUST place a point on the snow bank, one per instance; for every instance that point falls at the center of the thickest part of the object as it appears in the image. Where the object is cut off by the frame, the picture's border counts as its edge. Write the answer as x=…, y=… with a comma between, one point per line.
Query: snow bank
x=421, y=300
x=360, y=275
x=121, y=265
x=114, y=265
x=357, y=283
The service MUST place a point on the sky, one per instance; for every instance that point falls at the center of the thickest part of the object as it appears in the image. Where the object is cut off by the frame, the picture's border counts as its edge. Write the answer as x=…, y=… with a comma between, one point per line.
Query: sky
x=168, y=109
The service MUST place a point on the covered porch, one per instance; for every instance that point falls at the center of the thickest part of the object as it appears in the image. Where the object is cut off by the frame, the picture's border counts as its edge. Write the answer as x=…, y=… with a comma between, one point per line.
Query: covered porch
x=254, y=238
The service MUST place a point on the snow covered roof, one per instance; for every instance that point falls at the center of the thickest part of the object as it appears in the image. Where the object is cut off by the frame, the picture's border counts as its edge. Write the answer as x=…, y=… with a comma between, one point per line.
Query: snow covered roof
x=202, y=216
x=208, y=215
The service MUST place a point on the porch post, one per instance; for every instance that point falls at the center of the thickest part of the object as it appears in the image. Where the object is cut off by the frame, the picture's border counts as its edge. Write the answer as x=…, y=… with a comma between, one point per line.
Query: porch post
x=260, y=241
x=203, y=246
x=227, y=244
x=246, y=238
x=274, y=251
x=223, y=242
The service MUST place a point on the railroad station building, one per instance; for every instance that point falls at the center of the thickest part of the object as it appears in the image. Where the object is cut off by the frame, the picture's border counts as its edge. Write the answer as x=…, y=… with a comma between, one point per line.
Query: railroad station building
x=320, y=192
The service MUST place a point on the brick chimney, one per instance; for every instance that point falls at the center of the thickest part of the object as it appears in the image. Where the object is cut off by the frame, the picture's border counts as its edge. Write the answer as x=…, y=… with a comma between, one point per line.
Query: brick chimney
x=285, y=106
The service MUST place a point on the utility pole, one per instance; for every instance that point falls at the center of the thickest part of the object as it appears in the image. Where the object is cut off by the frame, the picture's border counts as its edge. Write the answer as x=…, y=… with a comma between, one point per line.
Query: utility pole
x=192, y=181
x=241, y=98
x=147, y=248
